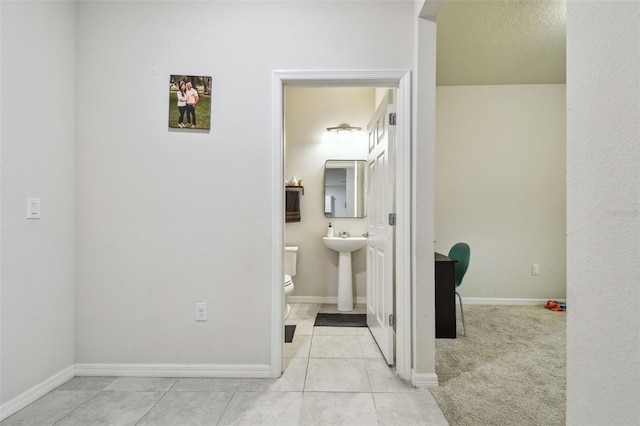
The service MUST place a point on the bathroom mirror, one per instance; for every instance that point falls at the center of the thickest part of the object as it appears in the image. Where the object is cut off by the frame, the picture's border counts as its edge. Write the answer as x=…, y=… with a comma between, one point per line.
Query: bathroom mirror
x=345, y=183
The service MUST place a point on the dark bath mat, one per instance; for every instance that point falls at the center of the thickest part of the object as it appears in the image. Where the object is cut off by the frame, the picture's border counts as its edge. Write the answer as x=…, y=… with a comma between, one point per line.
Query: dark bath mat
x=341, y=320
x=288, y=333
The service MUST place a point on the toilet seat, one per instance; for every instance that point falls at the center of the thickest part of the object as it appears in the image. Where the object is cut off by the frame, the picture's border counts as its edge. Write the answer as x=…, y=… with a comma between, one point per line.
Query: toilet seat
x=288, y=289
x=288, y=285
x=287, y=280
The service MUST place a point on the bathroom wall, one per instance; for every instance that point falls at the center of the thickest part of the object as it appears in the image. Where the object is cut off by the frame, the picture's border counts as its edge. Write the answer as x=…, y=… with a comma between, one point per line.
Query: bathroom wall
x=308, y=112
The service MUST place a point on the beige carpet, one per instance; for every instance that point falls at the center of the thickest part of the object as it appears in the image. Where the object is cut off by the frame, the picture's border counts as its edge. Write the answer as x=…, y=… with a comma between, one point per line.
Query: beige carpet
x=510, y=369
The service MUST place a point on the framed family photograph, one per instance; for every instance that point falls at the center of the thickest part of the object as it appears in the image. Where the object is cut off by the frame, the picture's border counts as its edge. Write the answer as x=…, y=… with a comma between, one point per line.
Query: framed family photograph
x=190, y=102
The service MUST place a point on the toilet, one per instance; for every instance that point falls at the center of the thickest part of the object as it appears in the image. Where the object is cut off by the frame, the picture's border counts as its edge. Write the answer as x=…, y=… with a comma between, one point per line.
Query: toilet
x=290, y=261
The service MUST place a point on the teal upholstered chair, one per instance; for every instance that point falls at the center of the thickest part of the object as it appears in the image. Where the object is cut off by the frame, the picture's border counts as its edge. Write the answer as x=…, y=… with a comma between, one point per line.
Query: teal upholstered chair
x=461, y=253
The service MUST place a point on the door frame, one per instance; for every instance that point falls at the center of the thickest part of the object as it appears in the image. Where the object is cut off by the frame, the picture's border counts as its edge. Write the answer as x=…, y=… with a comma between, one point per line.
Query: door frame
x=401, y=80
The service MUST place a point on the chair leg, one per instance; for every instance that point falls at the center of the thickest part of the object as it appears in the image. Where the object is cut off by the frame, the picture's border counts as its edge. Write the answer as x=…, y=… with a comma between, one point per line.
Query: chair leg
x=464, y=329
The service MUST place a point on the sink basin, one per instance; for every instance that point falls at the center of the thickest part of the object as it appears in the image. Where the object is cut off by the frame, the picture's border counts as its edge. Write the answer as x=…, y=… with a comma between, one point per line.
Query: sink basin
x=344, y=245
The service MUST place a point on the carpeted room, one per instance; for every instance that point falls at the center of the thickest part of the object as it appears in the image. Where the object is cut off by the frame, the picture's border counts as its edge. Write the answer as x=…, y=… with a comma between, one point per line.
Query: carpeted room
x=500, y=187
x=509, y=369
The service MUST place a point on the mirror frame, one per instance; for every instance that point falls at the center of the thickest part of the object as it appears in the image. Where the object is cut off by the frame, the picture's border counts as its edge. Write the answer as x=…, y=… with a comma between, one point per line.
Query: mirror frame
x=362, y=182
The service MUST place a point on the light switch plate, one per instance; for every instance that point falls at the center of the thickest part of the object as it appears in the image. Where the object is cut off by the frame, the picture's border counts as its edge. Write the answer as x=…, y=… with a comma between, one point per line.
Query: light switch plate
x=535, y=269
x=201, y=311
x=33, y=208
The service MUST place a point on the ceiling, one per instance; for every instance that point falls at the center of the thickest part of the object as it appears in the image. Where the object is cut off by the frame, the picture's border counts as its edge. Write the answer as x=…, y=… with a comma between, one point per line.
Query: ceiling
x=501, y=42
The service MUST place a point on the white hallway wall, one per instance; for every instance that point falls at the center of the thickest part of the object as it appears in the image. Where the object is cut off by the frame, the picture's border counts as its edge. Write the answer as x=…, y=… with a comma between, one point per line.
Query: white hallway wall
x=169, y=218
x=603, y=213
x=38, y=160
x=309, y=111
x=500, y=186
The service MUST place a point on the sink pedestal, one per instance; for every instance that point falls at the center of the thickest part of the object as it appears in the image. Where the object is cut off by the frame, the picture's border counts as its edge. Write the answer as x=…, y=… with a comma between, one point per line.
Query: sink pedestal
x=345, y=284
x=345, y=246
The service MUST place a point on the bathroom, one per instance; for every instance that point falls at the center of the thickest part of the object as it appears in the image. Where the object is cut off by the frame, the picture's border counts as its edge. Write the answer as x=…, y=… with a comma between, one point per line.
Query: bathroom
x=308, y=146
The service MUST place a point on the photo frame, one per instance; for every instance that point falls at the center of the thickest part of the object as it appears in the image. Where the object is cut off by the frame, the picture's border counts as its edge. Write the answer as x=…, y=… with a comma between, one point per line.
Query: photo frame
x=190, y=102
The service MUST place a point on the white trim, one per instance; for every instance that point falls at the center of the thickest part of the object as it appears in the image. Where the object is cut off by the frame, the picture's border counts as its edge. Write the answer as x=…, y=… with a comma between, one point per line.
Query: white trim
x=420, y=380
x=414, y=242
x=277, y=226
x=175, y=370
x=431, y=9
x=341, y=78
x=503, y=301
x=325, y=300
x=38, y=391
x=354, y=78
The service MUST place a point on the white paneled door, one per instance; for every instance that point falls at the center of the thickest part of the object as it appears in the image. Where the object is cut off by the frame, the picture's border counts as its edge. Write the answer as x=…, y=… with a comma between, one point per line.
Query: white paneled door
x=380, y=250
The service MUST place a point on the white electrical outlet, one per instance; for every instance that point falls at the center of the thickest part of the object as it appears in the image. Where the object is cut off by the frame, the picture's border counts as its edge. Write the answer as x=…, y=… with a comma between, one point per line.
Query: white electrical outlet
x=535, y=269
x=201, y=311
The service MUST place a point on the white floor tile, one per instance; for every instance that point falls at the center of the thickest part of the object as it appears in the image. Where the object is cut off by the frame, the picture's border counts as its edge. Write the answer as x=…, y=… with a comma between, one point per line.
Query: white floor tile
x=263, y=408
x=340, y=331
x=50, y=408
x=369, y=347
x=336, y=375
x=187, y=408
x=141, y=384
x=333, y=309
x=336, y=408
x=298, y=348
x=87, y=383
x=292, y=380
x=383, y=378
x=112, y=408
x=206, y=385
x=335, y=347
x=304, y=326
x=303, y=310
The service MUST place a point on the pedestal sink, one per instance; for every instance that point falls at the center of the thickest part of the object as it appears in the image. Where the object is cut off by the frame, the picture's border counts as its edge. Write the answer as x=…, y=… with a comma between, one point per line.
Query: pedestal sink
x=344, y=246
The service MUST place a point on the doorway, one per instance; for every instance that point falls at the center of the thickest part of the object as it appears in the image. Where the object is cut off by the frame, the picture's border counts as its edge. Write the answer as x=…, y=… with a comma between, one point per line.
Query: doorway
x=390, y=79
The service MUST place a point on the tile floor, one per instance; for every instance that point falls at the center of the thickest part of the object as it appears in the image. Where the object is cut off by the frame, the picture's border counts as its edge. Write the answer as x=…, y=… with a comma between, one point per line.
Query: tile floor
x=333, y=376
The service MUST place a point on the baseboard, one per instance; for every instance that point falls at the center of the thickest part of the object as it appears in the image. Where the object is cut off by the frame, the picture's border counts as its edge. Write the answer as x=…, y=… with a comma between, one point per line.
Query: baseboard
x=30, y=395
x=257, y=371
x=332, y=300
x=501, y=301
x=328, y=300
x=421, y=380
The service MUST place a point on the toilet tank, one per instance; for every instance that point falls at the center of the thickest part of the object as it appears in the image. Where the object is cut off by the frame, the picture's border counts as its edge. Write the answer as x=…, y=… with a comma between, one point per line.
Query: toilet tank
x=290, y=260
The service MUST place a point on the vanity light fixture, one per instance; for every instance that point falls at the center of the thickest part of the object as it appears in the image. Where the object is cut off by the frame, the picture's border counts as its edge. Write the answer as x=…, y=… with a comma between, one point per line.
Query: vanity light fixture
x=343, y=133
x=343, y=127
